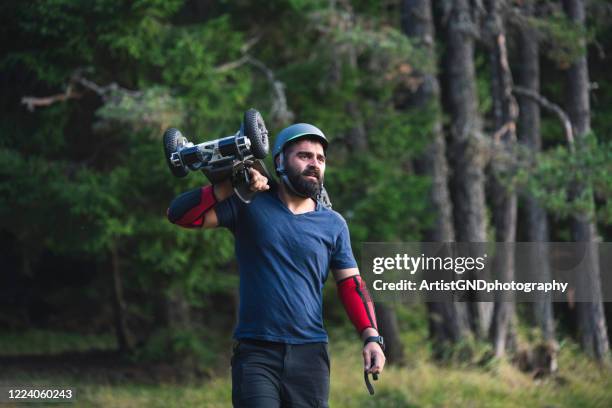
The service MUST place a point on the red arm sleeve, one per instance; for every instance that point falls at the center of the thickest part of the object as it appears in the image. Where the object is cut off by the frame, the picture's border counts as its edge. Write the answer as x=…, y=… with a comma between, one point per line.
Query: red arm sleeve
x=188, y=209
x=357, y=301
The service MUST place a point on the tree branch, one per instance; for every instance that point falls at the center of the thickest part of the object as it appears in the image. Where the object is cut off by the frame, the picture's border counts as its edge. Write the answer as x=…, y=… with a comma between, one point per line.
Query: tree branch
x=509, y=126
x=77, y=79
x=228, y=66
x=32, y=102
x=556, y=109
x=280, y=109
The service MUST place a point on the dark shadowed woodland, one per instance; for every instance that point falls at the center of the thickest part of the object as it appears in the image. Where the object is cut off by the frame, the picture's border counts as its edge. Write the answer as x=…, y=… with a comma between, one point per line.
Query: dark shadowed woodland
x=463, y=120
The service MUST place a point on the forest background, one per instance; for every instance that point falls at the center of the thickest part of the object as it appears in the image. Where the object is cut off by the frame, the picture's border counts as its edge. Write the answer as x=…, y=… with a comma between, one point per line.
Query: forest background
x=468, y=121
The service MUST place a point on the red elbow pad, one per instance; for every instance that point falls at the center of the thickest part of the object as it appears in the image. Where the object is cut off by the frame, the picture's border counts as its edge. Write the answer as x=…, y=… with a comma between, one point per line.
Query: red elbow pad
x=357, y=302
x=188, y=209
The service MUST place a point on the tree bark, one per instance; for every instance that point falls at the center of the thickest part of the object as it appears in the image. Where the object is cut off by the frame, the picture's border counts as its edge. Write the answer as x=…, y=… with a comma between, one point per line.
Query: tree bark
x=124, y=337
x=529, y=135
x=448, y=321
x=503, y=328
x=346, y=55
x=591, y=318
x=466, y=152
x=389, y=329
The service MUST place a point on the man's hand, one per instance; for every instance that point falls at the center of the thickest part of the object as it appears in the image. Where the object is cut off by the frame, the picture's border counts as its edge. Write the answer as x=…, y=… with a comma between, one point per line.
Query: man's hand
x=259, y=182
x=373, y=358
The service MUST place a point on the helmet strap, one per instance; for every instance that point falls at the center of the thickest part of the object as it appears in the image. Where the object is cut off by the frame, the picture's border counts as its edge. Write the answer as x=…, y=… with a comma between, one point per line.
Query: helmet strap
x=280, y=170
x=281, y=164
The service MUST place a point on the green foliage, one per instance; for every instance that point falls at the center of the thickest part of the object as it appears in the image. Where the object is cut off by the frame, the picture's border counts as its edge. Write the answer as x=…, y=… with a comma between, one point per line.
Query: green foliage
x=561, y=38
x=306, y=5
x=96, y=162
x=155, y=106
x=98, y=168
x=177, y=344
x=565, y=182
x=483, y=84
x=346, y=78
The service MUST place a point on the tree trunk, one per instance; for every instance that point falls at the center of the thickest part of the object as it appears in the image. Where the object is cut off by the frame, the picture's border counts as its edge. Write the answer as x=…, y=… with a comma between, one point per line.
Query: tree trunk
x=388, y=327
x=172, y=311
x=448, y=321
x=466, y=153
x=591, y=323
x=343, y=55
x=124, y=337
x=591, y=318
x=178, y=311
x=529, y=135
x=26, y=274
x=503, y=328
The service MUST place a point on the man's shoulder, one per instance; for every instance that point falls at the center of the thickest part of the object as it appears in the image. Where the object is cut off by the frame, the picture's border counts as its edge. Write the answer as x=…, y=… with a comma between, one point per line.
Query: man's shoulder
x=334, y=216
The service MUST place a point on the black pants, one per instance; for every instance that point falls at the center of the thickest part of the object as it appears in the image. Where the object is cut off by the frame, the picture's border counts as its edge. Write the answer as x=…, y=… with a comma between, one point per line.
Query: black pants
x=267, y=374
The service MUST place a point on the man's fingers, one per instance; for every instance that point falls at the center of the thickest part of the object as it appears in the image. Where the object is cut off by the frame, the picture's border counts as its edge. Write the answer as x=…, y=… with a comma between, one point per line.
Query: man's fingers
x=260, y=185
x=373, y=358
x=367, y=359
x=258, y=182
x=378, y=363
x=254, y=173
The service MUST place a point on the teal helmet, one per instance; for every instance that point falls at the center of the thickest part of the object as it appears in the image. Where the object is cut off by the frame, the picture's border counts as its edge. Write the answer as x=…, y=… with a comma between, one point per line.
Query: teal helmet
x=287, y=135
x=295, y=132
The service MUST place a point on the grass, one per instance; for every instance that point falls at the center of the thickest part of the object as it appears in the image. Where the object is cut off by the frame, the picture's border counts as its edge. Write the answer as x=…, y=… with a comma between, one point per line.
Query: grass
x=421, y=383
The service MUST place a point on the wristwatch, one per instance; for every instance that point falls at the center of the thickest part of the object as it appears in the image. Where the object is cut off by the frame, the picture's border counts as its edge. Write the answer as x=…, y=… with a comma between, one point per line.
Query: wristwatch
x=376, y=339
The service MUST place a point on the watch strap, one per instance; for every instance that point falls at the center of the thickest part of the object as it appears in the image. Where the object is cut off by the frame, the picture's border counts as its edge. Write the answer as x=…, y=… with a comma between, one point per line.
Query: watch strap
x=375, y=339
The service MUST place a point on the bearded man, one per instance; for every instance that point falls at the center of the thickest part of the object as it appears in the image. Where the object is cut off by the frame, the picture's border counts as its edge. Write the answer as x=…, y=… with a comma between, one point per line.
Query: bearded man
x=286, y=241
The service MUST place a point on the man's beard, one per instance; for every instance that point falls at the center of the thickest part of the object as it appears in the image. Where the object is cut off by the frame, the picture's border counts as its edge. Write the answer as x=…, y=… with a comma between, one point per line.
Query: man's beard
x=303, y=186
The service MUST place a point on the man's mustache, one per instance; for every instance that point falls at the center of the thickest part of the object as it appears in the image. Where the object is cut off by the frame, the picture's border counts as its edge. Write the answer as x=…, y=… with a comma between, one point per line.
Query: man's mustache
x=312, y=172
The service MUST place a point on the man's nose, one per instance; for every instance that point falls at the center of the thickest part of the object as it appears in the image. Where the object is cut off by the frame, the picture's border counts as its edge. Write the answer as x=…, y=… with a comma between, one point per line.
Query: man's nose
x=314, y=164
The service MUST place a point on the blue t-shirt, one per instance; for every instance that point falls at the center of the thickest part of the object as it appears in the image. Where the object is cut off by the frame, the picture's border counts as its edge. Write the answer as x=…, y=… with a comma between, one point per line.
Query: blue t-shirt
x=284, y=260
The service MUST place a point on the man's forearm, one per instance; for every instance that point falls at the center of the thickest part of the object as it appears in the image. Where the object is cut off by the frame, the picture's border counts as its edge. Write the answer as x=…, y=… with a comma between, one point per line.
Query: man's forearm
x=358, y=304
